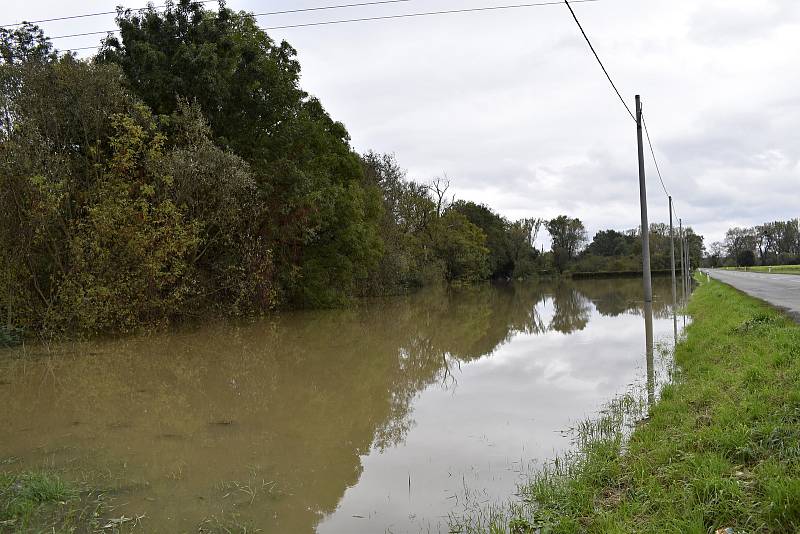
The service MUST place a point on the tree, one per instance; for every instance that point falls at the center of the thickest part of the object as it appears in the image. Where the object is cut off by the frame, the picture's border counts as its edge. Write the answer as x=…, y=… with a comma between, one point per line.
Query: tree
x=317, y=215
x=716, y=252
x=112, y=218
x=501, y=264
x=611, y=243
x=521, y=236
x=746, y=258
x=462, y=247
x=738, y=240
x=567, y=236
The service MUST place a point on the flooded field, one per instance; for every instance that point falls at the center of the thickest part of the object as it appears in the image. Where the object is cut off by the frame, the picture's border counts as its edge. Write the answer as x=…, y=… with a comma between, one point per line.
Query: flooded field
x=384, y=418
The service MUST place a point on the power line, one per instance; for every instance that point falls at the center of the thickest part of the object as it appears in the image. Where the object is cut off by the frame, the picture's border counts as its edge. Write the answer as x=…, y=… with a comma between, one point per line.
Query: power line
x=655, y=162
x=97, y=14
x=283, y=12
x=653, y=153
x=323, y=8
x=574, y=16
x=363, y=19
x=427, y=13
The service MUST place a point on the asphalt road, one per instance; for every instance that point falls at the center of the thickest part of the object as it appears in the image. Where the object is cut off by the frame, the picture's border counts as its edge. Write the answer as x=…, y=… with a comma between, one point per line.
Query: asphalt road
x=780, y=290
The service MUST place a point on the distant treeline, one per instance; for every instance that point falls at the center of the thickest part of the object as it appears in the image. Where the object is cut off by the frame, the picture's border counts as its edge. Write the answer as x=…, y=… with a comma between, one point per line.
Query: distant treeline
x=611, y=251
x=773, y=243
x=183, y=171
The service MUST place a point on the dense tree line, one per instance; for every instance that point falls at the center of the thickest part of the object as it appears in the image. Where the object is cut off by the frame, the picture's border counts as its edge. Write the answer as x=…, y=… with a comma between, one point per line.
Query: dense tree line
x=772, y=243
x=183, y=170
x=612, y=250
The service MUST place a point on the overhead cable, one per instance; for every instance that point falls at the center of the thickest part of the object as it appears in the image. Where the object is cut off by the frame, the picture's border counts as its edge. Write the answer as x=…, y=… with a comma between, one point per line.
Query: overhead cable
x=597, y=57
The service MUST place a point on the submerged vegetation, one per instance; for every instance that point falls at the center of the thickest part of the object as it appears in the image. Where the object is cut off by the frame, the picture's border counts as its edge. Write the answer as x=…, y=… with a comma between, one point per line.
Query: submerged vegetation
x=43, y=502
x=719, y=450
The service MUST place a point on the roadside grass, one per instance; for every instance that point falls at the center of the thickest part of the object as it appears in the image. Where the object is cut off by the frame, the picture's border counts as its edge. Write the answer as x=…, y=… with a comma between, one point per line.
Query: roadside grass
x=774, y=269
x=720, y=449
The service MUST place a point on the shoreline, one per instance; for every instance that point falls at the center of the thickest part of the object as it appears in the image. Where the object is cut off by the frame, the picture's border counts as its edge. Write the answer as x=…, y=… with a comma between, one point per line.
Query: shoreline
x=718, y=450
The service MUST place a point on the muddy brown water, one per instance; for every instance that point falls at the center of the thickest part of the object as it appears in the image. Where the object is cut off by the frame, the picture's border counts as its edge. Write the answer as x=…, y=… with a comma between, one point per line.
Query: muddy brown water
x=384, y=418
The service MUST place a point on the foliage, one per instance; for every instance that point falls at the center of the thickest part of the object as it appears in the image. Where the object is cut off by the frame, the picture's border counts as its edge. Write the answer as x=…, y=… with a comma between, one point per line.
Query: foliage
x=112, y=219
x=567, y=236
x=772, y=243
x=510, y=244
x=462, y=247
x=315, y=215
x=612, y=251
x=746, y=258
x=612, y=243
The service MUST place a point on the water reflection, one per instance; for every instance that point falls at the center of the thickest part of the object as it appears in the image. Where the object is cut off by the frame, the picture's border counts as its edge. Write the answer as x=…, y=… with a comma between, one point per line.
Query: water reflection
x=341, y=421
x=648, y=336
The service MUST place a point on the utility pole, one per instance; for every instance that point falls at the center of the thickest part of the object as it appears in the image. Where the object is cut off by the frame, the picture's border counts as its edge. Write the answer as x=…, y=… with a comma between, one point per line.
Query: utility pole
x=672, y=254
x=683, y=259
x=688, y=266
x=647, y=281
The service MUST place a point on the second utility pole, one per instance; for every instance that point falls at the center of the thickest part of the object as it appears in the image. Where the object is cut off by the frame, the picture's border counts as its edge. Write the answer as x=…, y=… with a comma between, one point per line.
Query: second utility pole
x=672, y=253
x=648, y=283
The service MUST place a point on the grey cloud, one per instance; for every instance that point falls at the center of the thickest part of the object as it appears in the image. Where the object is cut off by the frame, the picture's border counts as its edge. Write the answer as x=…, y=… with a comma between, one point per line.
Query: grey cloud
x=512, y=106
x=731, y=22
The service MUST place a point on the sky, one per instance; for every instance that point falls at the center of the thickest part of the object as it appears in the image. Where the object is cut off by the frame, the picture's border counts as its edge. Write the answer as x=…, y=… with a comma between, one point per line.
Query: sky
x=512, y=107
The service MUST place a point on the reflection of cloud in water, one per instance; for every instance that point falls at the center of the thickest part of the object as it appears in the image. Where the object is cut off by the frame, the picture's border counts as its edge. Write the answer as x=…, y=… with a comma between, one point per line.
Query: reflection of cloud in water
x=505, y=412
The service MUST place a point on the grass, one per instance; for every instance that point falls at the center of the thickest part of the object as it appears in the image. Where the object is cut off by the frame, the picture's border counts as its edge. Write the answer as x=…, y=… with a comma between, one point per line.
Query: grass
x=44, y=502
x=776, y=269
x=721, y=448
x=39, y=502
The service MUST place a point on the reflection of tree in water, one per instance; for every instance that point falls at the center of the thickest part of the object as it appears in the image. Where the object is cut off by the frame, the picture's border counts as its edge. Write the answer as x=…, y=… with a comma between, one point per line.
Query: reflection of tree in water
x=306, y=393
x=571, y=309
x=612, y=300
x=613, y=297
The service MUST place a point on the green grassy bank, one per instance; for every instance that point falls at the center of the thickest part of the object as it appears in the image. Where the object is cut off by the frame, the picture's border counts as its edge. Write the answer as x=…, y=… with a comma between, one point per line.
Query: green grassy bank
x=721, y=449
x=775, y=269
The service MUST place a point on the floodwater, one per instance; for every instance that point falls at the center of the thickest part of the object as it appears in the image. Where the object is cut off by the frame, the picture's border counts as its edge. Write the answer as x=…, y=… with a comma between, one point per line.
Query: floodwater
x=384, y=418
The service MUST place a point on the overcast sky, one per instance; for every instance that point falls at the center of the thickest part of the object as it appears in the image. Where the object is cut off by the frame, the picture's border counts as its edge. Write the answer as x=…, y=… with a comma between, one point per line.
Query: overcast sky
x=512, y=106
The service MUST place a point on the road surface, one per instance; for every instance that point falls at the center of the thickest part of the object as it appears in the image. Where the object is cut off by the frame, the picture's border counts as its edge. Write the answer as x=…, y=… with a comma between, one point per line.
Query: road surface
x=780, y=290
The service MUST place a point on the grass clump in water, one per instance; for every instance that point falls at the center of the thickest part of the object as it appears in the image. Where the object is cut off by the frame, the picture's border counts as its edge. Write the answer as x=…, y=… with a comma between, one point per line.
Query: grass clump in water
x=42, y=501
x=721, y=448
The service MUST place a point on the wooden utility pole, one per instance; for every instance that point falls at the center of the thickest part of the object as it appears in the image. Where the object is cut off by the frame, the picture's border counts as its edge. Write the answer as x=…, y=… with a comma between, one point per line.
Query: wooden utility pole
x=672, y=254
x=647, y=281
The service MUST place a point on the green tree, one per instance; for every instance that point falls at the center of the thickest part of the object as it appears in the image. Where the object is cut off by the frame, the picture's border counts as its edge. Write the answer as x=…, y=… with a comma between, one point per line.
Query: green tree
x=501, y=264
x=461, y=246
x=521, y=236
x=567, y=236
x=746, y=258
x=611, y=243
x=317, y=217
